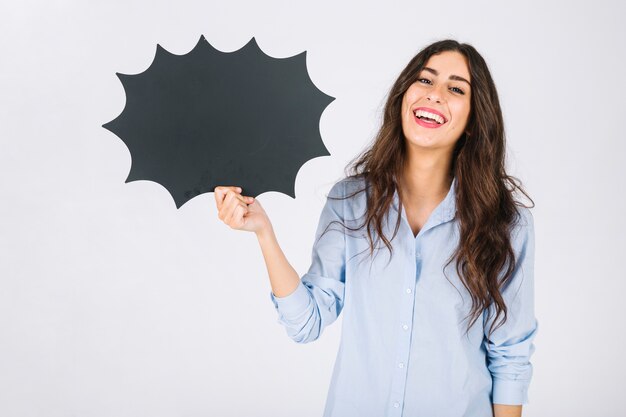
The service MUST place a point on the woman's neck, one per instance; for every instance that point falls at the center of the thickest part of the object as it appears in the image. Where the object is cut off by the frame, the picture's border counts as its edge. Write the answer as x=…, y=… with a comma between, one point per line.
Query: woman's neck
x=425, y=179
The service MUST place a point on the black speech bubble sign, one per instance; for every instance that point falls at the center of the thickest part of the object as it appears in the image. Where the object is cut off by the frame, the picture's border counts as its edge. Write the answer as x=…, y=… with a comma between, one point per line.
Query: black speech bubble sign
x=208, y=118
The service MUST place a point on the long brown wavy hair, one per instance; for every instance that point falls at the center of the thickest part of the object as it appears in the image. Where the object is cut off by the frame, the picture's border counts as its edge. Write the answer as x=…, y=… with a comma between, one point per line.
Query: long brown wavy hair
x=485, y=201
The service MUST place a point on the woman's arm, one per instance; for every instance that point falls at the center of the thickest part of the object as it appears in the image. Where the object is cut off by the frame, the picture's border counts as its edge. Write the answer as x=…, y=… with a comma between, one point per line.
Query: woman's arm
x=246, y=213
x=510, y=347
x=500, y=410
x=283, y=278
x=305, y=306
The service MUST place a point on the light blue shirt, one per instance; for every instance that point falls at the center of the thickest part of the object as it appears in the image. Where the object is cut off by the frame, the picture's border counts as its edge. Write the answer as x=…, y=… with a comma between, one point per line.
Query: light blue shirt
x=403, y=349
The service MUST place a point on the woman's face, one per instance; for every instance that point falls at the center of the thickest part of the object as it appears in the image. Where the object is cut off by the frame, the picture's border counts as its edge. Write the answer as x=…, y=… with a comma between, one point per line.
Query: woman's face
x=442, y=91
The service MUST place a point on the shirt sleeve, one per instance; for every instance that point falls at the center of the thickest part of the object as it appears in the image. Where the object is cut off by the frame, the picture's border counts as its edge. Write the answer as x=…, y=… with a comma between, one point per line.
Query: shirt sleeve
x=510, y=346
x=318, y=299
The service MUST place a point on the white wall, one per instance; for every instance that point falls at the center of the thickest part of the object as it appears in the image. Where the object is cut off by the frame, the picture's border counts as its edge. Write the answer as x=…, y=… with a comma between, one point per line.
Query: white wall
x=115, y=303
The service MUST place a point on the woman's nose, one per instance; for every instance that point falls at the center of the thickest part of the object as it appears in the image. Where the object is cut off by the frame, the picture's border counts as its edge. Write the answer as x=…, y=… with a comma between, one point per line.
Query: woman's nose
x=435, y=94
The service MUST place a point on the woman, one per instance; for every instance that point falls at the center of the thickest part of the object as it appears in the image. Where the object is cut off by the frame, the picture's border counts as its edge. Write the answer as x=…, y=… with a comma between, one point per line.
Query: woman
x=438, y=320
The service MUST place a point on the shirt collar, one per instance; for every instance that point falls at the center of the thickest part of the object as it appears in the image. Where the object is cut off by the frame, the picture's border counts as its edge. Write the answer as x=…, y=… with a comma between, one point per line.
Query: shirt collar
x=445, y=211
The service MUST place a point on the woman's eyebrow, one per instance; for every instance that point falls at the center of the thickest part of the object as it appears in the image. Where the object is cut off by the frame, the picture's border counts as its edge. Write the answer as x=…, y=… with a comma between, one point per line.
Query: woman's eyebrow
x=452, y=77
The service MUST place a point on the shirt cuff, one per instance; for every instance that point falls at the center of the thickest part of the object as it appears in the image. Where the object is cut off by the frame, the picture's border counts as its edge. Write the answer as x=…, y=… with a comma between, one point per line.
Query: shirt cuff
x=295, y=304
x=509, y=392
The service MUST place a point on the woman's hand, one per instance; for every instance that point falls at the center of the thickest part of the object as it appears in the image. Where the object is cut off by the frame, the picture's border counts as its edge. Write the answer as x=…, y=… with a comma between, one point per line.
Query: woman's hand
x=240, y=212
x=245, y=213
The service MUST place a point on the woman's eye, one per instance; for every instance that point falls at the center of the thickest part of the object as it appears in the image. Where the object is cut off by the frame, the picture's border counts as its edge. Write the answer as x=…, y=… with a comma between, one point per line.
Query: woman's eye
x=427, y=81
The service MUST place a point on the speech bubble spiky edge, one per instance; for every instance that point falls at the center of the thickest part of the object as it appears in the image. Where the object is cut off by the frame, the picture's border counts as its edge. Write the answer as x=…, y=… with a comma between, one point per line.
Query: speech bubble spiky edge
x=252, y=46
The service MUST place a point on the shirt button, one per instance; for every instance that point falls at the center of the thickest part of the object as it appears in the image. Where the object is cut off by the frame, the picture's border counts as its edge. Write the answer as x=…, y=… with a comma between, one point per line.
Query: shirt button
x=405, y=327
x=408, y=291
x=400, y=365
x=396, y=405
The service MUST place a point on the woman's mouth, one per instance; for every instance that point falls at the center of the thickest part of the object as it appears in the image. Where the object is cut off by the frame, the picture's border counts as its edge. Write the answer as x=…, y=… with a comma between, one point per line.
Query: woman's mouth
x=428, y=119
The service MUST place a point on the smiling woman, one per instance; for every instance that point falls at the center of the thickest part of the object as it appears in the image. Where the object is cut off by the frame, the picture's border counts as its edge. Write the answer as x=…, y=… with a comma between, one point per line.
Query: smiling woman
x=438, y=100
x=444, y=325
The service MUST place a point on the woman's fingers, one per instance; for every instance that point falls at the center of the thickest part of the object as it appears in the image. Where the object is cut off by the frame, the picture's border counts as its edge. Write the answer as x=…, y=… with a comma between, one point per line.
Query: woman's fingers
x=233, y=210
x=240, y=212
x=225, y=194
x=238, y=216
x=232, y=206
x=220, y=193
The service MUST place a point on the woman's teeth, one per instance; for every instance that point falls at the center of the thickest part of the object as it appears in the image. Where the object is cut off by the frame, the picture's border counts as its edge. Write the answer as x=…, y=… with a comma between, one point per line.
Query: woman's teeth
x=429, y=117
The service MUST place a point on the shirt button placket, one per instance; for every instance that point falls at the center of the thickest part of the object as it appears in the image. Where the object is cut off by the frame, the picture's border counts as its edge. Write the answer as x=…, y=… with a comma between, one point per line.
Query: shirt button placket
x=404, y=352
x=400, y=374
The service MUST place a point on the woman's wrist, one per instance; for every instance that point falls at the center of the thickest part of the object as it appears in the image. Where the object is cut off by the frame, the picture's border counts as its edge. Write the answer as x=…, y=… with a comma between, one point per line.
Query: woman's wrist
x=265, y=233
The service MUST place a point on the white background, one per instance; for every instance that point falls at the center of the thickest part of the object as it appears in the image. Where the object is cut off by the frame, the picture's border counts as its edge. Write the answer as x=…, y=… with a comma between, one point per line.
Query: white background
x=115, y=303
